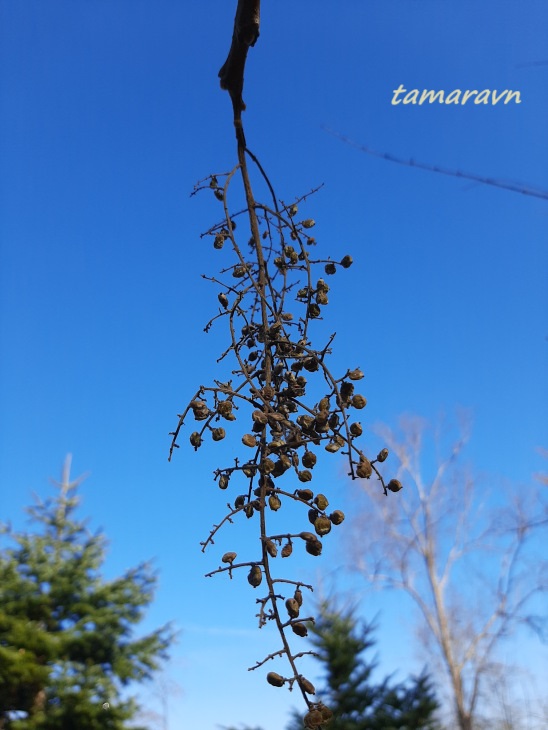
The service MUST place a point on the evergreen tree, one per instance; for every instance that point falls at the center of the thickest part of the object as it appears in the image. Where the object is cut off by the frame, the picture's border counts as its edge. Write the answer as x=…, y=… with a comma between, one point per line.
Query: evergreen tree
x=67, y=647
x=357, y=702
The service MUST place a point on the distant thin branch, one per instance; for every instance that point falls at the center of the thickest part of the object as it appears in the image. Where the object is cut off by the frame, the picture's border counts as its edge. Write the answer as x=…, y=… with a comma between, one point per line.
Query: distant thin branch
x=505, y=184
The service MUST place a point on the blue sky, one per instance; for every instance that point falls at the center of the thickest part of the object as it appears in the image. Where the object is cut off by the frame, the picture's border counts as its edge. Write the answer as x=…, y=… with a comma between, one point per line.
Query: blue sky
x=109, y=113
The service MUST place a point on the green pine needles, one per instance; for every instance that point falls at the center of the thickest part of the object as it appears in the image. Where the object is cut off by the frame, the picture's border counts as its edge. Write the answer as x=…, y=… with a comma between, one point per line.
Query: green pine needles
x=67, y=645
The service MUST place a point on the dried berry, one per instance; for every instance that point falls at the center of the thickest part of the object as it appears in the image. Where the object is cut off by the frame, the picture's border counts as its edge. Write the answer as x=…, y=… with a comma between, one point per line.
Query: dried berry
x=298, y=596
x=305, y=494
x=218, y=434
x=309, y=459
x=314, y=547
x=267, y=466
x=299, y=629
x=394, y=485
x=255, y=576
x=304, y=475
x=313, y=515
x=321, y=501
x=326, y=712
x=306, y=686
x=223, y=481
x=274, y=679
x=308, y=223
x=356, y=374
x=364, y=468
x=292, y=607
x=358, y=401
x=356, y=429
x=382, y=455
x=347, y=261
x=259, y=417
x=249, y=440
x=228, y=558
x=287, y=550
x=274, y=503
x=313, y=719
x=322, y=526
x=224, y=408
x=223, y=300
x=336, y=517
x=271, y=548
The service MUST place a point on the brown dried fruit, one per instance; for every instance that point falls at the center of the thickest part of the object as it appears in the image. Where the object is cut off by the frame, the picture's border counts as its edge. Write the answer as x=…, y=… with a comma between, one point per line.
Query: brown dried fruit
x=287, y=550
x=313, y=311
x=309, y=459
x=313, y=719
x=223, y=299
x=267, y=466
x=306, y=686
x=347, y=261
x=249, y=440
x=274, y=503
x=305, y=494
x=334, y=421
x=229, y=558
x=364, y=469
x=308, y=223
x=298, y=596
x=330, y=268
x=322, y=526
x=249, y=510
x=382, y=455
x=356, y=374
x=292, y=607
x=223, y=481
x=313, y=515
x=314, y=547
x=239, y=501
x=394, y=485
x=304, y=475
x=299, y=629
x=255, y=576
x=271, y=548
x=336, y=517
x=259, y=417
x=356, y=429
x=346, y=390
x=358, y=401
x=321, y=501
x=326, y=712
x=276, y=680
x=224, y=408
x=218, y=434
x=268, y=392
x=195, y=439
x=323, y=405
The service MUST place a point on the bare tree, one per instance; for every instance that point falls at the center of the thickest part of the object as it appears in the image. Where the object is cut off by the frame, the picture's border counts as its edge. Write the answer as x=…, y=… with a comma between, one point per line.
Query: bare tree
x=468, y=560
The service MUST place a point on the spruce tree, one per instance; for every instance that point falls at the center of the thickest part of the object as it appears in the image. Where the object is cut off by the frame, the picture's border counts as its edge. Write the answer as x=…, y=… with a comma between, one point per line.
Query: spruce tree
x=356, y=700
x=67, y=645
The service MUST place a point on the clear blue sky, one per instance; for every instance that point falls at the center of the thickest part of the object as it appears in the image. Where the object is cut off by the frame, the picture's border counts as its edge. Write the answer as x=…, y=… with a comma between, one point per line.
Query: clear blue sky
x=110, y=111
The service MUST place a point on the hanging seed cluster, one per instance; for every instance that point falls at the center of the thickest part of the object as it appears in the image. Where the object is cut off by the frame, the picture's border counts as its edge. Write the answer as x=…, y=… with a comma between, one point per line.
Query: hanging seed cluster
x=268, y=296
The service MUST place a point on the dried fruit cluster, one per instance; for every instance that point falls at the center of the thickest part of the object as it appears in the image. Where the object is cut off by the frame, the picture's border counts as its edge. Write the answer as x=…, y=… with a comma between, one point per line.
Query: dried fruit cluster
x=268, y=298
